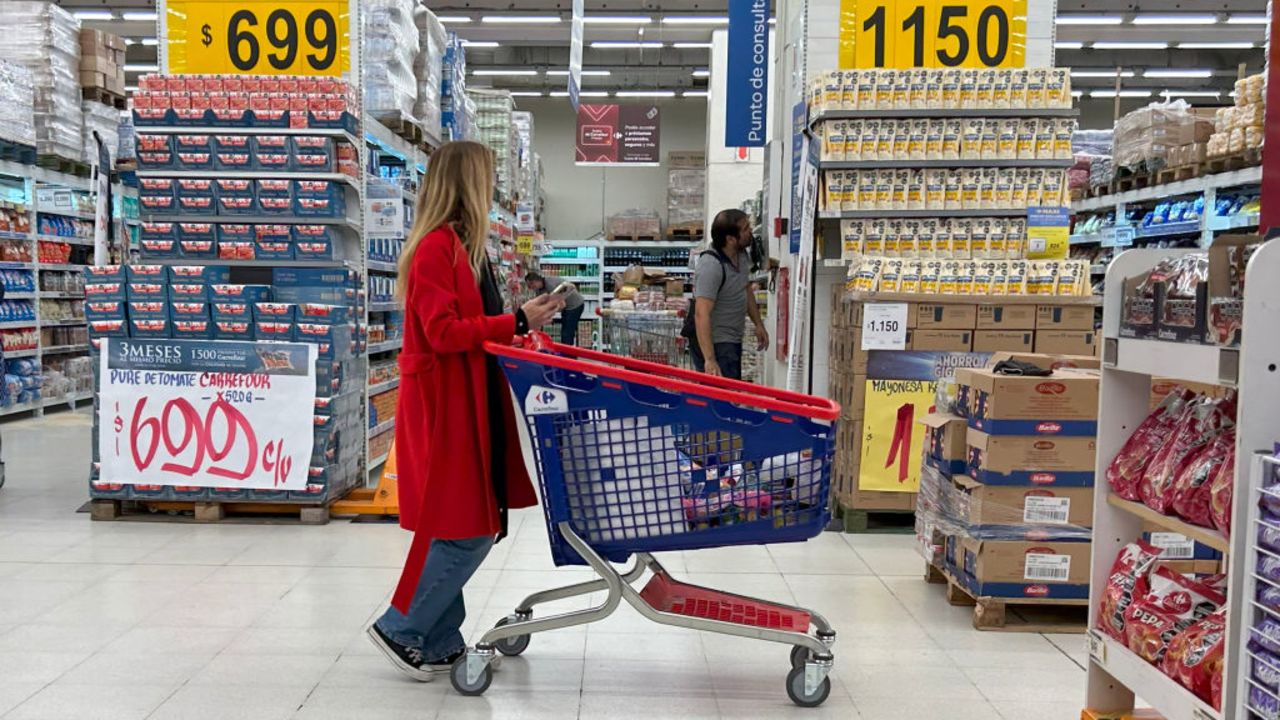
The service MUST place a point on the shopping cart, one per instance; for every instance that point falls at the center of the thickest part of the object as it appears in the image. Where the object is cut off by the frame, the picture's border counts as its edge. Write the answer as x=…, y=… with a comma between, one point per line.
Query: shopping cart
x=636, y=458
x=649, y=335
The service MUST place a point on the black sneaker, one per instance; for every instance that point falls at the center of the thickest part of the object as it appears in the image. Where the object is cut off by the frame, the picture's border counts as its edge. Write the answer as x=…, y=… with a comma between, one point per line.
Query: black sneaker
x=444, y=664
x=408, y=660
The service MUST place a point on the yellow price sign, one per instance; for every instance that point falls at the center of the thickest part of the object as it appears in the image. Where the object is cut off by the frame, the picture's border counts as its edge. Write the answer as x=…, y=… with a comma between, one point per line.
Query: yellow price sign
x=258, y=37
x=524, y=244
x=933, y=33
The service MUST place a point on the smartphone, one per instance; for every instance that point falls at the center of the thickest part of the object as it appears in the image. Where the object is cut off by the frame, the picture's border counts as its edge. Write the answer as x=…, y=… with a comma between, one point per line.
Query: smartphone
x=562, y=288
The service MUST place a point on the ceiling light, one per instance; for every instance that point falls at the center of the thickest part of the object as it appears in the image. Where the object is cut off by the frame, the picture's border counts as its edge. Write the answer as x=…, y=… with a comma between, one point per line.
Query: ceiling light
x=1122, y=93
x=585, y=73
x=695, y=93
x=147, y=41
x=144, y=67
x=1127, y=45
x=1089, y=20
x=521, y=19
x=617, y=20
x=500, y=73
x=479, y=44
x=1064, y=45
x=625, y=44
x=455, y=19
x=1077, y=93
x=1159, y=73
x=1191, y=93
x=1245, y=19
x=645, y=93
x=581, y=94
x=695, y=20
x=701, y=73
x=96, y=15
x=138, y=16
x=526, y=93
x=691, y=45
x=1101, y=73
x=131, y=88
x=1216, y=46
x=1179, y=19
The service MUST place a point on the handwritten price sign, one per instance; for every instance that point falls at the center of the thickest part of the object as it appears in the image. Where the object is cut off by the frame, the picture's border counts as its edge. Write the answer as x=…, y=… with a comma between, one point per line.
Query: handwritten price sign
x=207, y=414
x=258, y=37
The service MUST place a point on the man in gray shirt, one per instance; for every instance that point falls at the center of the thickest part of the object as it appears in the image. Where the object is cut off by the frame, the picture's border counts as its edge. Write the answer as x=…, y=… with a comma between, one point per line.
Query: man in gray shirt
x=722, y=296
x=573, y=306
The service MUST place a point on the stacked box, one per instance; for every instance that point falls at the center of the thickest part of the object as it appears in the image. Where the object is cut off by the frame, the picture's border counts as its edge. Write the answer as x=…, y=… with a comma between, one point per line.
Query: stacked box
x=457, y=110
x=46, y=40
x=496, y=126
x=17, y=104
x=1145, y=137
x=428, y=68
x=103, y=120
x=391, y=47
x=686, y=191
x=102, y=61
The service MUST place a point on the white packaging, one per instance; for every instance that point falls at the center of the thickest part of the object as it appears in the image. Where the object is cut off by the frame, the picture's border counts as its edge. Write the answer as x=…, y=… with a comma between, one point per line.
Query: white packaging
x=849, y=90
x=918, y=139
x=854, y=130
x=933, y=139
x=971, y=139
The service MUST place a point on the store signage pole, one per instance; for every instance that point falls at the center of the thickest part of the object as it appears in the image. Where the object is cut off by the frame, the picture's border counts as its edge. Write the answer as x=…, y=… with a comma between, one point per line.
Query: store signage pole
x=1270, y=214
x=575, y=54
x=747, y=97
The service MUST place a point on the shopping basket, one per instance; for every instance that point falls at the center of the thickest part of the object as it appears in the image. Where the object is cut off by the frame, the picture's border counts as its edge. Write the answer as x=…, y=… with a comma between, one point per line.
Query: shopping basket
x=635, y=458
x=650, y=335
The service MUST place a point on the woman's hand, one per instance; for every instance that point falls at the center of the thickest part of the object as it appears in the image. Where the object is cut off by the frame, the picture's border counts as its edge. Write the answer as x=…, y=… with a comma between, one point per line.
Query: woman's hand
x=541, y=309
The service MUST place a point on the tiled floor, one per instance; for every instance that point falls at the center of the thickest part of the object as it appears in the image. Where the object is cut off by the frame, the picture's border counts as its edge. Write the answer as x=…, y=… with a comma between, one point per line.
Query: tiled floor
x=168, y=621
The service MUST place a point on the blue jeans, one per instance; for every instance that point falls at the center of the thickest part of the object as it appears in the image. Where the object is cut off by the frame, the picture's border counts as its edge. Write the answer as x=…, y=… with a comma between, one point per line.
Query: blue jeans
x=728, y=357
x=437, y=610
x=569, y=325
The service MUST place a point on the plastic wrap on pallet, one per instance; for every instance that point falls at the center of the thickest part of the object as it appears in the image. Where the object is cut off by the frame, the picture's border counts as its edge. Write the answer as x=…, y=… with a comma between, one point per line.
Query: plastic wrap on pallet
x=456, y=108
x=428, y=67
x=127, y=148
x=104, y=120
x=1145, y=137
x=686, y=195
x=17, y=104
x=956, y=505
x=390, y=48
x=496, y=129
x=46, y=40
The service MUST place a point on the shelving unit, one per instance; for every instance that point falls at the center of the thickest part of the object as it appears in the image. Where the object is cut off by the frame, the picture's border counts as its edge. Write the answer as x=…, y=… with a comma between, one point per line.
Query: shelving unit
x=587, y=253
x=1116, y=674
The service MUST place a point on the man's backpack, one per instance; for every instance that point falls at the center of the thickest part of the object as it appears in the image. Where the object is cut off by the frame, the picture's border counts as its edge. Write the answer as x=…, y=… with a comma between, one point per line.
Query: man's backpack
x=689, y=330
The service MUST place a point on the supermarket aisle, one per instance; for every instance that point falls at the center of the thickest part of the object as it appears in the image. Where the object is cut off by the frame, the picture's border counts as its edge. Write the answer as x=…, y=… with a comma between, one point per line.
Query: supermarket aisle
x=160, y=620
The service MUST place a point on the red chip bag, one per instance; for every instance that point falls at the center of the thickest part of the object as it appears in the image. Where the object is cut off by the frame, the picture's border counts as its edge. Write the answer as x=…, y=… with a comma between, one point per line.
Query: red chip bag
x=1194, y=656
x=1171, y=604
x=1202, y=421
x=1131, y=565
x=1191, y=487
x=1126, y=469
x=1220, y=490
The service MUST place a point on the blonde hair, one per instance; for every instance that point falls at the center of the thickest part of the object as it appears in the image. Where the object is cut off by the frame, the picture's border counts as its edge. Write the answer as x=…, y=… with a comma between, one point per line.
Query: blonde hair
x=457, y=191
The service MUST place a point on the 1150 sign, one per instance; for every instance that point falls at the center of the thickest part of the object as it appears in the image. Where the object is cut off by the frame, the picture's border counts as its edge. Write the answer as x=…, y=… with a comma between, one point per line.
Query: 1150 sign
x=260, y=37
x=933, y=33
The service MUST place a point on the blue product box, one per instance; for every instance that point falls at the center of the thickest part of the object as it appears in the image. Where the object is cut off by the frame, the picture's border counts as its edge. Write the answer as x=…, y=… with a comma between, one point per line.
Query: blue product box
x=104, y=310
x=226, y=292
x=188, y=292
x=153, y=143
x=273, y=250
x=198, y=249
x=146, y=274
x=188, y=231
x=233, y=330
x=195, y=152
x=273, y=312
x=193, y=329
x=189, y=310
x=105, y=274
x=273, y=331
x=271, y=161
x=227, y=493
x=242, y=311
x=156, y=195
x=231, y=205
x=235, y=232
x=334, y=341
x=104, y=291
x=233, y=187
x=321, y=314
x=339, y=119
x=236, y=250
x=234, y=160
x=199, y=273
x=154, y=309
x=233, y=144
x=313, y=153
x=147, y=291
x=109, y=328
x=189, y=117
x=275, y=197
x=313, y=492
x=271, y=145
x=313, y=277
x=158, y=160
x=200, y=203
x=148, y=492
x=158, y=204
x=194, y=187
x=159, y=248
x=321, y=249
x=319, y=198
x=230, y=117
x=149, y=328
x=190, y=493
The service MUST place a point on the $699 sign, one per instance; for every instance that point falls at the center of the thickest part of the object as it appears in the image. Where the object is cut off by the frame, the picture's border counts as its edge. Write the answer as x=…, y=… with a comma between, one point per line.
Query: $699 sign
x=260, y=37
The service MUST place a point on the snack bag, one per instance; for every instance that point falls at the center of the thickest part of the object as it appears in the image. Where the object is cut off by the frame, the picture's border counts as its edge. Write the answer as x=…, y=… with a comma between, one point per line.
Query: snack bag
x=1036, y=80
x=979, y=237
x=953, y=193
x=1071, y=278
x=910, y=279
x=1194, y=656
x=1019, y=187
x=849, y=90
x=1007, y=141
x=919, y=89
x=1017, y=279
x=890, y=274
x=915, y=190
x=965, y=277
x=1058, y=88
x=868, y=275
x=870, y=141
x=948, y=282
x=849, y=198
x=832, y=185
x=933, y=139
x=1046, y=134
x=986, y=87
x=1018, y=88
x=892, y=231
x=884, y=189
x=853, y=140
x=1127, y=468
x=970, y=185
x=831, y=90
x=867, y=81
x=933, y=88
x=950, y=88
x=1063, y=131
x=930, y=276
x=1000, y=89
x=952, y=132
x=885, y=80
x=1191, y=486
x=988, y=178
x=942, y=238
x=885, y=140
x=1220, y=491
x=990, y=139
x=1052, y=185
x=873, y=237
x=971, y=139
x=1171, y=603
x=968, y=88
x=902, y=140
x=1003, y=196
x=1015, y=239
x=1203, y=421
x=999, y=277
x=926, y=237
x=918, y=139
x=961, y=234
x=1133, y=563
x=834, y=140
x=866, y=180
x=1026, y=139
x=935, y=186
x=997, y=230
x=851, y=238
x=902, y=90
x=908, y=237
x=983, y=274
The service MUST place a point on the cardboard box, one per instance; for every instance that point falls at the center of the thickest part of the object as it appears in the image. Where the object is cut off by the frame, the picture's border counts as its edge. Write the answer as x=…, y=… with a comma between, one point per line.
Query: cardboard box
x=941, y=340
x=945, y=441
x=1066, y=510
x=1161, y=387
x=1065, y=317
x=850, y=391
x=1006, y=317
x=1048, y=361
x=1225, y=313
x=1021, y=568
x=1030, y=460
x=942, y=316
x=687, y=158
x=869, y=500
x=1065, y=403
x=1067, y=342
x=1003, y=340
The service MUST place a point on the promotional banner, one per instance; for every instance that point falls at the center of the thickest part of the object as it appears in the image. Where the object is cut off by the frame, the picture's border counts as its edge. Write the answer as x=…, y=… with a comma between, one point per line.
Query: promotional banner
x=932, y=34
x=1048, y=233
x=612, y=134
x=206, y=414
x=102, y=207
x=575, y=54
x=901, y=387
x=257, y=37
x=747, y=86
x=799, y=124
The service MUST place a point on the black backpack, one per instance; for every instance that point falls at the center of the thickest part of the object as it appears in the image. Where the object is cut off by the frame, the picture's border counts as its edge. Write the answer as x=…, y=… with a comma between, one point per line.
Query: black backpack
x=689, y=330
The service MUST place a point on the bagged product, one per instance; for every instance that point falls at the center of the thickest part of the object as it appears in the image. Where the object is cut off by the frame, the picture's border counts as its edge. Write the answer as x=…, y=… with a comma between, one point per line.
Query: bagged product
x=867, y=81
x=1194, y=656
x=1127, y=468
x=1018, y=80
x=933, y=89
x=910, y=281
x=884, y=141
x=849, y=90
x=1058, y=88
x=1000, y=89
x=965, y=277
x=915, y=190
x=851, y=238
x=986, y=89
x=853, y=140
x=1064, y=130
x=908, y=237
x=892, y=231
x=987, y=180
x=1170, y=603
x=898, y=196
x=1192, y=484
x=1046, y=133
x=926, y=237
x=885, y=80
x=953, y=130
x=834, y=140
x=1202, y=421
x=997, y=232
x=971, y=139
x=833, y=92
x=870, y=140
x=930, y=275
x=1007, y=140
x=1003, y=197
x=1026, y=139
x=868, y=276
x=884, y=189
x=970, y=184
x=1036, y=80
x=1035, y=187
x=1042, y=278
x=1000, y=275
x=954, y=190
x=873, y=237
x=833, y=186
x=961, y=234
x=1020, y=187
x=902, y=90
x=902, y=140
x=935, y=186
x=990, y=140
x=866, y=181
x=968, y=88
x=917, y=141
x=933, y=139
x=890, y=273
x=942, y=238
x=983, y=276
x=948, y=281
x=1132, y=565
x=849, y=199
x=1220, y=491
x=919, y=89
x=1015, y=239
x=950, y=89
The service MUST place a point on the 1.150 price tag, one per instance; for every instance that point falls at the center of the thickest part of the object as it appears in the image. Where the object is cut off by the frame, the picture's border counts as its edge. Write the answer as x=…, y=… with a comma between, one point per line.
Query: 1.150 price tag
x=884, y=326
x=933, y=33
x=258, y=37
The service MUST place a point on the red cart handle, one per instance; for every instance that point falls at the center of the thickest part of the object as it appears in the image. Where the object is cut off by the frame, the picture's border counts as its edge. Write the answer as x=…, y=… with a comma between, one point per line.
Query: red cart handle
x=538, y=347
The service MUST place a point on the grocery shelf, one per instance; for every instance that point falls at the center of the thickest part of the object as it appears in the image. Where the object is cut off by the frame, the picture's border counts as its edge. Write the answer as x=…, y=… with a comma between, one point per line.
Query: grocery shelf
x=574, y=278
x=1240, y=220
x=382, y=427
x=254, y=263
x=58, y=349
x=63, y=323
x=43, y=175
x=65, y=213
x=386, y=346
x=66, y=266
x=25, y=407
x=382, y=266
x=872, y=214
x=914, y=164
x=10, y=235
x=17, y=324
x=250, y=175
x=338, y=133
x=568, y=261
x=53, y=295
x=379, y=461
x=346, y=222
x=867, y=297
x=29, y=352
x=910, y=113
x=67, y=240
x=1244, y=176
x=1147, y=681
x=1210, y=364
x=1166, y=229
x=1203, y=535
x=389, y=306
x=384, y=386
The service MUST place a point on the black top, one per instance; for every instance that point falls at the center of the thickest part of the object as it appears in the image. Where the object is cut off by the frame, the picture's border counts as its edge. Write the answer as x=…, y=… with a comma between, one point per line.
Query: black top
x=496, y=385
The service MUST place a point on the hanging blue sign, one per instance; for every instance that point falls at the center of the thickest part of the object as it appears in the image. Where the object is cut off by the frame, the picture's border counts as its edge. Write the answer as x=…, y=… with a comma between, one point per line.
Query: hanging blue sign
x=747, y=98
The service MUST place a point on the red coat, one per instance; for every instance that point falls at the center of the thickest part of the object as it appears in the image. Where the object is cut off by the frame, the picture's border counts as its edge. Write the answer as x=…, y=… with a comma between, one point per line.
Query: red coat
x=442, y=419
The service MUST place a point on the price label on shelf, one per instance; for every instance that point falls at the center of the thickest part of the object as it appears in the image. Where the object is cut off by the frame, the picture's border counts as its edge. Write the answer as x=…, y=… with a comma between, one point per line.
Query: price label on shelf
x=884, y=326
x=933, y=33
x=524, y=244
x=257, y=37
x=1097, y=648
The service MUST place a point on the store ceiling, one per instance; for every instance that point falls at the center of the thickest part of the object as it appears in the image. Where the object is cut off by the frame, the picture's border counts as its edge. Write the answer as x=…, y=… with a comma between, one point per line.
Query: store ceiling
x=1193, y=47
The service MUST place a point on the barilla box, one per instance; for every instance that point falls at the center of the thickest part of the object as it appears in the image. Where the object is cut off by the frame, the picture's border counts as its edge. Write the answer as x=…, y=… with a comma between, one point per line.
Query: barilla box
x=221, y=292
x=105, y=274
x=1048, y=361
x=1064, y=317
x=319, y=198
x=156, y=187
x=146, y=273
x=155, y=160
x=108, y=328
x=163, y=248
x=147, y=291
x=234, y=160
x=189, y=310
x=944, y=441
x=149, y=328
x=233, y=187
x=153, y=143
x=160, y=204
x=233, y=144
x=236, y=205
x=196, y=249
x=188, y=292
x=195, y=187
x=271, y=161
x=1064, y=460
x=235, y=232
x=998, y=316
x=322, y=314
x=272, y=144
x=104, y=291
x=104, y=310
x=1067, y=342
x=231, y=310
x=196, y=231
x=193, y=328
x=1024, y=568
x=234, y=250
x=275, y=197
x=314, y=242
x=1064, y=403
x=313, y=154
x=199, y=274
x=159, y=238
x=155, y=309
x=1032, y=513
x=333, y=341
x=273, y=311
x=233, y=330
x=193, y=160
x=278, y=238
x=276, y=331
x=943, y=316
x=1003, y=340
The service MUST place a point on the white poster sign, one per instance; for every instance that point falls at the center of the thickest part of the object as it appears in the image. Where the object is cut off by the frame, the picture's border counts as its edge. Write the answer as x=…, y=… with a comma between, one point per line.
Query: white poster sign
x=884, y=326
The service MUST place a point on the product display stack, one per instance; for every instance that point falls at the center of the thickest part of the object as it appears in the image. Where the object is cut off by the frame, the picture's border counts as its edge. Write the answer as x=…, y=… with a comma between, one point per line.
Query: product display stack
x=686, y=194
x=392, y=48
x=45, y=39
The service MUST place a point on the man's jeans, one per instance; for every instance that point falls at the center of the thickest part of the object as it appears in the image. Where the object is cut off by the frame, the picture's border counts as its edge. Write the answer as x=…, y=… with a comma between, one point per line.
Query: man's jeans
x=437, y=610
x=569, y=325
x=728, y=357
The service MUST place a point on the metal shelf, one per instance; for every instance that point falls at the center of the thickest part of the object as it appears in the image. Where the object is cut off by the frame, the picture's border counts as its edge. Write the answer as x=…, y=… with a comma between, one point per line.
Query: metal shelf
x=389, y=306
x=52, y=295
x=1245, y=176
x=43, y=175
x=29, y=352
x=386, y=346
x=251, y=175
x=907, y=114
x=64, y=323
x=382, y=266
x=568, y=261
x=338, y=133
x=65, y=213
x=346, y=222
x=379, y=461
x=25, y=407
x=15, y=324
x=67, y=240
x=382, y=427
x=574, y=278
x=10, y=235
x=57, y=349
x=73, y=267
x=969, y=163
x=384, y=386
x=863, y=214
x=1158, y=690
x=255, y=263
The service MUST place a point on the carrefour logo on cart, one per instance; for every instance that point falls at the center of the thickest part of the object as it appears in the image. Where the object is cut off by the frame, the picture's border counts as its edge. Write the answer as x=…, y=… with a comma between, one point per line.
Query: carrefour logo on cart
x=543, y=400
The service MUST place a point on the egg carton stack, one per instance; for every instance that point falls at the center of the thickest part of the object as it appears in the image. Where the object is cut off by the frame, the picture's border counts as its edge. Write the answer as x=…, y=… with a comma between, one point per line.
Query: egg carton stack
x=17, y=104
x=391, y=48
x=46, y=40
x=428, y=68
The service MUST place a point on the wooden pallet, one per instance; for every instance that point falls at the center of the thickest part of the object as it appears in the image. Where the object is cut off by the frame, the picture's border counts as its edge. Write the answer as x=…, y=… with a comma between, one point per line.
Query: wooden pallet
x=1227, y=163
x=1136, y=181
x=60, y=164
x=871, y=520
x=104, y=96
x=1033, y=615
x=209, y=512
x=636, y=238
x=409, y=129
x=17, y=152
x=1175, y=174
x=686, y=231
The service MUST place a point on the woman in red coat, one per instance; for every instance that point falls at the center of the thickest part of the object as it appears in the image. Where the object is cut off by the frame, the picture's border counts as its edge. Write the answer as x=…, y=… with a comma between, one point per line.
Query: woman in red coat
x=457, y=452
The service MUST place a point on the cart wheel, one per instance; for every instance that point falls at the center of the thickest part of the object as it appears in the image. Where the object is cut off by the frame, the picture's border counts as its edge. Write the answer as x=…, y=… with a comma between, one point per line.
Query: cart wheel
x=795, y=689
x=799, y=656
x=513, y=645
x=458, y=676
